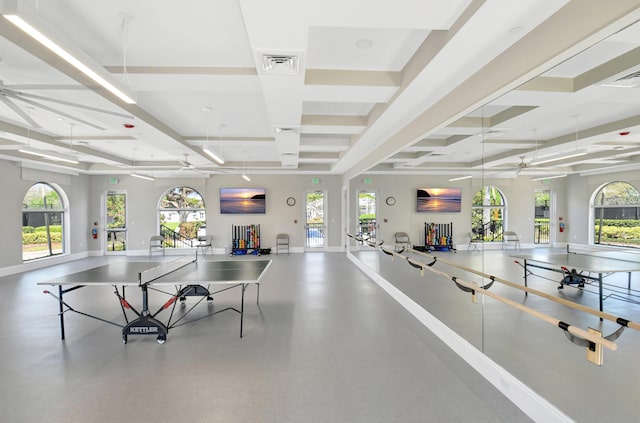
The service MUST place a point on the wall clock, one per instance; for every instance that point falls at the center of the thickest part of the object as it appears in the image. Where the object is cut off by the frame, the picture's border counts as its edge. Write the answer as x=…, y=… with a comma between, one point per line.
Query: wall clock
x=390, y=201
x=291, y=201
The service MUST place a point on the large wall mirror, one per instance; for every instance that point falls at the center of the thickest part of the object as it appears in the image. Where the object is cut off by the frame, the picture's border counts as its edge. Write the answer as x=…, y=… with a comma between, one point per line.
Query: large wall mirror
x=542, y=155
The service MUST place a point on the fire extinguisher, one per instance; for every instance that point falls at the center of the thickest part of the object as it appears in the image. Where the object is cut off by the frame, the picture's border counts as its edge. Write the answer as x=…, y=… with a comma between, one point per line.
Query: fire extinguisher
x=561, y=225
x=94, y=231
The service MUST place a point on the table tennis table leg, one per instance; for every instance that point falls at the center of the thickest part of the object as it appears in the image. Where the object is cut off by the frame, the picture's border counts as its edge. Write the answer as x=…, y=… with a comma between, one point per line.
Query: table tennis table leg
x=526, y=293
x=61, y=305
x=600, y=291
x=244, y=287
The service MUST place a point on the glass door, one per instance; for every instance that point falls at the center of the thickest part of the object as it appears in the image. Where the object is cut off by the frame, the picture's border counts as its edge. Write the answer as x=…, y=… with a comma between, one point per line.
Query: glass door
x=315, y=229
x=367, y=219
x=542, y=220
x=116, y=222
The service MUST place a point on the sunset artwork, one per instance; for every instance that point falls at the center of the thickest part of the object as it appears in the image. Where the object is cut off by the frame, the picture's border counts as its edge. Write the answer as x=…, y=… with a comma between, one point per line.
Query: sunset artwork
x=242, y=200
x=438, y=200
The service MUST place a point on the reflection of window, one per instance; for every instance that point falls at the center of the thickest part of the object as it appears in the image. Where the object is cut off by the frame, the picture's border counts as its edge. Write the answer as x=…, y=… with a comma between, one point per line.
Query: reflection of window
x=182, y=216
x=616, y=214
x=488, y=214
x=367, y=214
x=42, y=222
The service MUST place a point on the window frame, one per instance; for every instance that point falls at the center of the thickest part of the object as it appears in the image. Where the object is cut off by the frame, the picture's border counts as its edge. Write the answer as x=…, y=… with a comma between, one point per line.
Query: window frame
x=63, y=212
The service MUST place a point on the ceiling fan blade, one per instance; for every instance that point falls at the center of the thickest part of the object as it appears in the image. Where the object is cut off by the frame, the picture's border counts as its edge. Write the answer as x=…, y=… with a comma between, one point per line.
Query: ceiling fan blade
x=59, y=113
x=19, y=111
x=46, y=87
x=69, y=103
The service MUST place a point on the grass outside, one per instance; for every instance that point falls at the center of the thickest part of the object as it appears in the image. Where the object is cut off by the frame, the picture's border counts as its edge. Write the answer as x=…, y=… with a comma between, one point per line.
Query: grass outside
x=30, y=248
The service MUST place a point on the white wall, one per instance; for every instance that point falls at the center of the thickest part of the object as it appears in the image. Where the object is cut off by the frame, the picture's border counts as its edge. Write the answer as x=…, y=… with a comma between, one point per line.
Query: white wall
x=143, y=197
x=11, y=213
x=403, y=215
x=17, y=181
x=519, y=194
x=279, y=218
x=85, y=194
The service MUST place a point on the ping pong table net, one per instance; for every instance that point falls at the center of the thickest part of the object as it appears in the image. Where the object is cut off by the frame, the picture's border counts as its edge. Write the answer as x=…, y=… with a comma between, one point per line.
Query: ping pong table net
x=620, y=253
x=164, y=269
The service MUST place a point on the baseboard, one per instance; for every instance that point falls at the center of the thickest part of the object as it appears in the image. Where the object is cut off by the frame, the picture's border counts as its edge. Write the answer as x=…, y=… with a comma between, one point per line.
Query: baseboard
x=44, y=262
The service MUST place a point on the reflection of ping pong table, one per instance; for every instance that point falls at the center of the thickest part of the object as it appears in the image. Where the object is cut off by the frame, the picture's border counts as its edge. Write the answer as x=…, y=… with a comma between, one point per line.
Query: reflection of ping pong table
x=188, y=277
x=589, y=263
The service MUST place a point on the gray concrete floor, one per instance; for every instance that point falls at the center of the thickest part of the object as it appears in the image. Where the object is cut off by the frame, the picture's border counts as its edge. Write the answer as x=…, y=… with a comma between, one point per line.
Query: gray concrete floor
x=325, y=345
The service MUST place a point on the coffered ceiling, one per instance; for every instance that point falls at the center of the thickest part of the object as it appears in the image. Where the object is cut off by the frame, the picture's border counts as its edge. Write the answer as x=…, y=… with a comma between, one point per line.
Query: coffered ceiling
x=456, y=87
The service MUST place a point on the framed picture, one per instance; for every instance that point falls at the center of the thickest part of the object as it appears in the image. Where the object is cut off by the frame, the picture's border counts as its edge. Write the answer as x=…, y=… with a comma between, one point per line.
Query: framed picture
x=438, y=200
x=243, y=200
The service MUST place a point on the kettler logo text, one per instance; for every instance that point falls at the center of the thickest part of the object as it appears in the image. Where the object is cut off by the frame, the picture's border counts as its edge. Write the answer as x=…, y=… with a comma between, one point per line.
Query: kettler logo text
x=143, y=329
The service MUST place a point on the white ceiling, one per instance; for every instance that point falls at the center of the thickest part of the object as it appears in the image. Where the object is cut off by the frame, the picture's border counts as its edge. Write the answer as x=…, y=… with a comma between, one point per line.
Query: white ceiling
x=410, y=86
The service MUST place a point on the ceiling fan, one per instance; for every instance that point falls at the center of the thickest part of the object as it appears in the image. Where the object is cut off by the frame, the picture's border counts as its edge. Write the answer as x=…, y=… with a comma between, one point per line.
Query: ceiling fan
x=187, y=166
x=524, y=164
x=11, y=97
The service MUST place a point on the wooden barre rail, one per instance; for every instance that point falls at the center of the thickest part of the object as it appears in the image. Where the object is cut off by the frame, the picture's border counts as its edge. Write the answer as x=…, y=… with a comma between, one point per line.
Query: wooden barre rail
x=619, y=320
x=581, y=333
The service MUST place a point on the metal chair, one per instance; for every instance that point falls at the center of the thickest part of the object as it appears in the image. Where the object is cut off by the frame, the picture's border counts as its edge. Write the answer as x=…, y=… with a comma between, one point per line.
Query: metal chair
x=473, y=241
x=156, y=243
x=282, y=241
x=205, y=242
x=510, y=237
x=402, y=241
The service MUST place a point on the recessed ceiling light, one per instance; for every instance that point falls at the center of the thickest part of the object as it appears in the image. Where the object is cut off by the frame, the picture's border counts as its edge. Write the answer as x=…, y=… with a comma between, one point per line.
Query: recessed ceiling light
x=364, y=43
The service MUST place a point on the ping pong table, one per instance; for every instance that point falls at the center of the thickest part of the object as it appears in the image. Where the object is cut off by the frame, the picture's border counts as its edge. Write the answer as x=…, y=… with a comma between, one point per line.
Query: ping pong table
x=590, y=264
x=187, y=275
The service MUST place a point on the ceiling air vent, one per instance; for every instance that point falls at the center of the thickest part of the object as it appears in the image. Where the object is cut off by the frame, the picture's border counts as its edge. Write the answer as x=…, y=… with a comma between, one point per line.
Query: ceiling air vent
x=280, y=130
x=280, y=64
x=633, y=75
x=627, y=81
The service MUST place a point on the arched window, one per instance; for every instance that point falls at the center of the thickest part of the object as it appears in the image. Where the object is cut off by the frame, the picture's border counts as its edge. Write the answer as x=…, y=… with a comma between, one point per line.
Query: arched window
x=616, y=213
x=182, y=217
x=488, y=211
x=42, y=222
